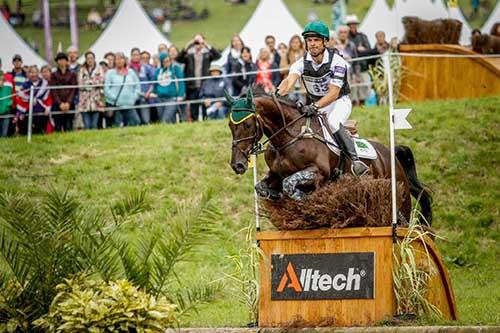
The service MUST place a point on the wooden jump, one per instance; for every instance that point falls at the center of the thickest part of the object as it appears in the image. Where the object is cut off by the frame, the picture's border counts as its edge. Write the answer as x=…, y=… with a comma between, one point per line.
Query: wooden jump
x=447, y=78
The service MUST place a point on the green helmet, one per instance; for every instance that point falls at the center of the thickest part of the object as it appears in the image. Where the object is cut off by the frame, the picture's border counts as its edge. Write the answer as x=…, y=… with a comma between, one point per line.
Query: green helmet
x=316, y=28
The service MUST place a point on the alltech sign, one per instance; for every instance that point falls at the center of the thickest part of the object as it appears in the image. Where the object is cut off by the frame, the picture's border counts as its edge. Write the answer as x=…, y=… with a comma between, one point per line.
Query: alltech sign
x=322, y=276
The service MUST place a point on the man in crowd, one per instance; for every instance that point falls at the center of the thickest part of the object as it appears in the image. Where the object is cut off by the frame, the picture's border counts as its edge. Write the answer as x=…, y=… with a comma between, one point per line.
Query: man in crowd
x=196, y=56
x=271, y=45
x=214, y=88
x=73, y=64
x=63, y=99
x=18, y=73
x=359, y=39
x=346, y=47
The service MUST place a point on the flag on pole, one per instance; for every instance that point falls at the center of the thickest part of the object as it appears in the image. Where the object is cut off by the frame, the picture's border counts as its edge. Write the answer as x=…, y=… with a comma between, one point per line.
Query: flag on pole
x=400, y=121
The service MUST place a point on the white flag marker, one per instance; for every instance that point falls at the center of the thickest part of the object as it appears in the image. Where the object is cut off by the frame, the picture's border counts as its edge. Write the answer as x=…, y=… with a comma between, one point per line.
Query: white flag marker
x=400, y=121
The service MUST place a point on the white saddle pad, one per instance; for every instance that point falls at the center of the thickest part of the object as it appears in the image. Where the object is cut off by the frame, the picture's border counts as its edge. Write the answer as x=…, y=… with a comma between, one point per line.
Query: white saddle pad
x=364, y=148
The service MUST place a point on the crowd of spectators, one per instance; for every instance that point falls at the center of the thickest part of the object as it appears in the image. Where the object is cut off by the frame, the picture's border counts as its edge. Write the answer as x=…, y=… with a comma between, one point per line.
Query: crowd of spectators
x=170, y=86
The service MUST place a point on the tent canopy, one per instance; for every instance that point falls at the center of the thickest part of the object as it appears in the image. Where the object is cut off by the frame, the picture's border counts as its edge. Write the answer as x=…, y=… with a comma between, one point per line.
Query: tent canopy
x=11, y=43
x=130, y=27
x=373, y=21
x=494, y=18
x=271, y=17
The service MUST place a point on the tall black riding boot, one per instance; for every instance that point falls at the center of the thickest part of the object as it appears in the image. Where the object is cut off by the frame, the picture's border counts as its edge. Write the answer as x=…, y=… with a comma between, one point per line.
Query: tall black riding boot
x=346, y=142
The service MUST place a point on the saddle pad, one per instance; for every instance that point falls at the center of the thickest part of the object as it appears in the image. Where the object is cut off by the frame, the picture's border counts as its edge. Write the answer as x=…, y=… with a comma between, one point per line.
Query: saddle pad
x=364, y=148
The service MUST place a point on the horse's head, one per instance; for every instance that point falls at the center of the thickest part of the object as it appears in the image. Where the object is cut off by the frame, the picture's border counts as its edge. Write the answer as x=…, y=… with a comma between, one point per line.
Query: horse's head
x=245, y=129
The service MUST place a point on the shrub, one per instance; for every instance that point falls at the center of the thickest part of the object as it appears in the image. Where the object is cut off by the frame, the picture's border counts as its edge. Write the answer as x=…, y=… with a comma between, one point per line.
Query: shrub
x=86, y=305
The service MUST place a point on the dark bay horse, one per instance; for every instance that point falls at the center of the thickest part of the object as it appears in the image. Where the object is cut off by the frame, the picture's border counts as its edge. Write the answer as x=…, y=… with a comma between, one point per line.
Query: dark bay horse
x=301, y=163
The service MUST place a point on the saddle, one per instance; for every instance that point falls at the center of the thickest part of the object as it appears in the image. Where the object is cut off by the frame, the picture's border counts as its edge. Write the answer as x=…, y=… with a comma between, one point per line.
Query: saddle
x=352, y=126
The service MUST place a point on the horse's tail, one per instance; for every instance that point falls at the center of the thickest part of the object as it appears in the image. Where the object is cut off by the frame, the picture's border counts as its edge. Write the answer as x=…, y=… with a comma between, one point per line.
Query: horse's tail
x=417, y=189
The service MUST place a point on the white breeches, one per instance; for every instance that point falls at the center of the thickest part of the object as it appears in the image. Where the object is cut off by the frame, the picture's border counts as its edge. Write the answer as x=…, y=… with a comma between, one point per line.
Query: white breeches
x=338, y=112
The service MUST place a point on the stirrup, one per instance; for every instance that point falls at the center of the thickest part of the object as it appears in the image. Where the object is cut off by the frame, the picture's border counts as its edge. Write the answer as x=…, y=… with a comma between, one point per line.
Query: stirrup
x=359, y=168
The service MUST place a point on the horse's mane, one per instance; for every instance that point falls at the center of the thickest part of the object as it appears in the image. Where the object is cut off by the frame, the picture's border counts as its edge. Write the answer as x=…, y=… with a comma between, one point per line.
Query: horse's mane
x=259, y=91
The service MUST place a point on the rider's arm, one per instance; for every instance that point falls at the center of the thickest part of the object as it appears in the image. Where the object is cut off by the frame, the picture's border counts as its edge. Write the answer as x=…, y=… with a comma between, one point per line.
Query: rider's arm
x=330, y=97
x=288, y=84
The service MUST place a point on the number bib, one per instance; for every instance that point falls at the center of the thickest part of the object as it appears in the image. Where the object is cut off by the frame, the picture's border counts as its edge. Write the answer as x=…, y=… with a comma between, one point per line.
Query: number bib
x=317, y=86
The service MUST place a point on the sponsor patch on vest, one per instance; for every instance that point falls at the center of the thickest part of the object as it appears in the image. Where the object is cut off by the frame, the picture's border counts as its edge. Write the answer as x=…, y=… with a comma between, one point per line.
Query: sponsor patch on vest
x=339, y=69
x=322, y=276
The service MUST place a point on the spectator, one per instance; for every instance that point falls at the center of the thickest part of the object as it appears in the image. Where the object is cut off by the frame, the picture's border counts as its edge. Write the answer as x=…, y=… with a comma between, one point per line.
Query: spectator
x=359, y=39
x=156, y=61
x=245, y=65
x=296, y=51
x=269, y=80
x=162, y=48
x=104, y=66
x=5, y=104
x=381, y=45
x=168, y=89
x=346, y=47
x=271, y=44
x=121, y=89
x=233, y=56
x=110, y=57
x=214, y=88
x=46, y=72
x=42, y=102
x=8, y=80
x=94, y=19
x=63, y=98
x=18, y=73
x=135, y=60
x=73, y=65
x=173, y=53
x=282, y=50
x=197, y=56
x=91, y=102
x=495, y=29
x=146, y=74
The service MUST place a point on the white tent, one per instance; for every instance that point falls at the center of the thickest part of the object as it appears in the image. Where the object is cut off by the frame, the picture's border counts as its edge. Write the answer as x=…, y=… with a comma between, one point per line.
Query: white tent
x=130, y=27
x=494, y=18
x=456, y=13
x=379, y=17
x=271, y=17
x=11, y=43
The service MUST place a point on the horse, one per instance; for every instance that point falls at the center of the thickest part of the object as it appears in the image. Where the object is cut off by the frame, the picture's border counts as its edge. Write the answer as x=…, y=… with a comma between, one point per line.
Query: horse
x=297, y=156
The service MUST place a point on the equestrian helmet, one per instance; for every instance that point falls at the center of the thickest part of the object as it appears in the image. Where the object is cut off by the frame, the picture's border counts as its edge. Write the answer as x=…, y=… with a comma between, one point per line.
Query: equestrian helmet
x=316, y=29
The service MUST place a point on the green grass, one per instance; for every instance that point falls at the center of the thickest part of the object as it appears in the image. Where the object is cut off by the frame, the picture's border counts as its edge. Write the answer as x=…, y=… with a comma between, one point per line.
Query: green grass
x=225, y=20
x=455, y=145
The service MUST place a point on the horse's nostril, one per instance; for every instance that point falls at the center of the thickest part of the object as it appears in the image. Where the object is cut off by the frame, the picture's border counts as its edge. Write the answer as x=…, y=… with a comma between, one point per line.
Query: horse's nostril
x=240, y=166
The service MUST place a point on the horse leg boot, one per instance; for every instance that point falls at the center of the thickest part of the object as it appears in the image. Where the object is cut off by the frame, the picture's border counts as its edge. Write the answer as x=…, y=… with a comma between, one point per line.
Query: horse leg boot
x=269, y=187
x=307, y=176
x=344, y=139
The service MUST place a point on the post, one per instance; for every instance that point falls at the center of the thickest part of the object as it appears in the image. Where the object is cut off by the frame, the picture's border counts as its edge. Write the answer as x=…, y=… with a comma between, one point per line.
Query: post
x=256, y=196
x=387, y=67
x=47, y=30
x=30, y=115
x=73, y=23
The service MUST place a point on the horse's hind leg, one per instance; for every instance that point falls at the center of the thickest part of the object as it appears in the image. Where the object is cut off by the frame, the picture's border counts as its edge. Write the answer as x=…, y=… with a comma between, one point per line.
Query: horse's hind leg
x=270, y=186
x=307, y=177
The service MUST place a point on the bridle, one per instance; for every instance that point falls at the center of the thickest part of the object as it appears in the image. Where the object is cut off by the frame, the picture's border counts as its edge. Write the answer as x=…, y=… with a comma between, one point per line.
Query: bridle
x=255, y=146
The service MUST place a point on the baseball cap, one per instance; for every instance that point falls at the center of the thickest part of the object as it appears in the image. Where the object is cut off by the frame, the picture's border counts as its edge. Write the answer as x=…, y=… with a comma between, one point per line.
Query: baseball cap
x=17, y=57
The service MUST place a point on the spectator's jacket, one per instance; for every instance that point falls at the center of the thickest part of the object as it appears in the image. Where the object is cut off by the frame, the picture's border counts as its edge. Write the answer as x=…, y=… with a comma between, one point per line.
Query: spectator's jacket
x=360, y=39
x=348, y=51
x=276, y=58
x=214, y=87
x=187, y=57
x=243, y=82
x=130, y=91
x=146, y=73
x=65, y=95
x=18, y=79
x=90, y=98
x=42, y=99
x=232, y=62
x=5, y=103
x=8, y=82
x=269, y=80
x=165, y=88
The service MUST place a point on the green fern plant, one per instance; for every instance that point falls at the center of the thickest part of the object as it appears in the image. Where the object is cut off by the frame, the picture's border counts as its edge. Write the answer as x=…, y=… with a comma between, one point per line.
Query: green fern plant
x=380, y=79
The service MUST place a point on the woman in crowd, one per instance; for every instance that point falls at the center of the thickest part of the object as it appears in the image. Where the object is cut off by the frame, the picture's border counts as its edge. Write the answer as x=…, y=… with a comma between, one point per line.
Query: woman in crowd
x=5, y=105
x=241, y=83
x=168, y=90
x=91, y=101
x=283, y=52
x=110, y=57
x=233, y=59
x=42, y=102
x=296, y=51
x=121, y=89
x=269, y=80
x=46, y=72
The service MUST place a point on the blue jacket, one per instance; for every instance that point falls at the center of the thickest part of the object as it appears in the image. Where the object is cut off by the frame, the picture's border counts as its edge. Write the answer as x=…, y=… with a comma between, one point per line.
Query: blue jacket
x=130, y=91
x=214, y=87
x=165, y=87
x=146, y=73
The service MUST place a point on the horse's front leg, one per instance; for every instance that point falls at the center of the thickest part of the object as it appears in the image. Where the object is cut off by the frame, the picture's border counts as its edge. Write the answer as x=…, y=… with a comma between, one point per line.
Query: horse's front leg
x=308, y=177
x=270, y=187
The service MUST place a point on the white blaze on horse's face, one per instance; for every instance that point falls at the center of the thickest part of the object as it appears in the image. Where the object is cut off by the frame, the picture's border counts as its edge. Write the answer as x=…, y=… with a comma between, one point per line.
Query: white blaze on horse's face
x=244, y=136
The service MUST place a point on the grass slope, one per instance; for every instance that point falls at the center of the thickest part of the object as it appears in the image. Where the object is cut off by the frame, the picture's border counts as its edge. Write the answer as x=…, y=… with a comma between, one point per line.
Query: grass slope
x=224, y=21
x=457, y=153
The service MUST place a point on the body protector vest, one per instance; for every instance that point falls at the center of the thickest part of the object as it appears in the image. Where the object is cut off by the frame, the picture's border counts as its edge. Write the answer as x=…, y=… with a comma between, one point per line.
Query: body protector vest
x=317, y=82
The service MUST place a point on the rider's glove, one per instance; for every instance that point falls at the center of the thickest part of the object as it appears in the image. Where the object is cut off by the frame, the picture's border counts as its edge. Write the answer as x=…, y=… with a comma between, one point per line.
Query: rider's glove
x=277, y=93
x=310, y=110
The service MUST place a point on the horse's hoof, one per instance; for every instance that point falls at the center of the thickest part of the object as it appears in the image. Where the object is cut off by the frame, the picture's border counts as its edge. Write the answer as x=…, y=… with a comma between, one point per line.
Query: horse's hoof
x=298, y=195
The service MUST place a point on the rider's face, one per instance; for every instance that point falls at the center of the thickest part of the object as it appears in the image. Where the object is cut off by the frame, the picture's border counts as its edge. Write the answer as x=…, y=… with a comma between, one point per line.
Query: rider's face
x=315, y=45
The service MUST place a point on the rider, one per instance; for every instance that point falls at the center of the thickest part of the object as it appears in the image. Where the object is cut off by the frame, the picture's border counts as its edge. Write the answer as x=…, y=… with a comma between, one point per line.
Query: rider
x=324, y=74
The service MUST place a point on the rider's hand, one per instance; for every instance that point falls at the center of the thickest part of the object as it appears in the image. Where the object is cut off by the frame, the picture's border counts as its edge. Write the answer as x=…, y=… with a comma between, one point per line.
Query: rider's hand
x=277, y=92
x=310, y=110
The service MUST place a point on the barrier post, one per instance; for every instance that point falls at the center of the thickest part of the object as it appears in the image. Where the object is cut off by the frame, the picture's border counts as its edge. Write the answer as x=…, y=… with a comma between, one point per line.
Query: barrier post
x=256, y=196
x=387, y=68
x=30, y=115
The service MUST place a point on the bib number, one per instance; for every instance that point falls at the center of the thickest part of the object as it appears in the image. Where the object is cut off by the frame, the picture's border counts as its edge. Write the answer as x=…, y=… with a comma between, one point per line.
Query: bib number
x=317, y=86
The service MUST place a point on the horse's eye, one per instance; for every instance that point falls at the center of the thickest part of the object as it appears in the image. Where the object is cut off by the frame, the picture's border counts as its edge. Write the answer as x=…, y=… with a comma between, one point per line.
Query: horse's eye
x=248, y=125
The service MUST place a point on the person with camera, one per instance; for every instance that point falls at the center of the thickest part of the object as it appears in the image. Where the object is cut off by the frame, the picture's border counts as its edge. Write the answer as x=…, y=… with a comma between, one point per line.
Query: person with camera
x=196, y=56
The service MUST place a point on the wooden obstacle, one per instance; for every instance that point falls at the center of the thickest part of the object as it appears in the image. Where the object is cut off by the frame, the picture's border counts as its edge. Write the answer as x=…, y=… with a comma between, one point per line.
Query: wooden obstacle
x=359, y=290
x=447, y=78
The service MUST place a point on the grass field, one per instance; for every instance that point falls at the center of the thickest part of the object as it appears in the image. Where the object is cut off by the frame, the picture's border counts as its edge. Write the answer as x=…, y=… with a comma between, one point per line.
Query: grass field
x=224, y=21
x=457, y=153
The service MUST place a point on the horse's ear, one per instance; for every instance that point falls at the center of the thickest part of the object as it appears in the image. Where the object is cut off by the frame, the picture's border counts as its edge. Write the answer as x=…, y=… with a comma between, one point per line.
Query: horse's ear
x=249, y=96
x=229, y=98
